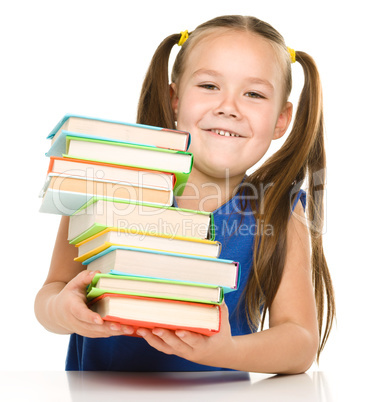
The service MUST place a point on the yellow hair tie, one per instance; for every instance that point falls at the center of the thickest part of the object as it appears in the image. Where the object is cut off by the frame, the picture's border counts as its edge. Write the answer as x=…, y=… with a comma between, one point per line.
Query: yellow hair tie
x=292, y=54
x=183, y=38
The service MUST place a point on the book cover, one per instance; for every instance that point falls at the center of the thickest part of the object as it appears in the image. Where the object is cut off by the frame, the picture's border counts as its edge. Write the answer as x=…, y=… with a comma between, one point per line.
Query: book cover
x=134, y=238
x=106, y=171
x=98, y=214
x=143, y=312
x=91, y=127
x=153, y=287
x=169, y=266
x=143, y=157
x=59, y=202
x=80, y=189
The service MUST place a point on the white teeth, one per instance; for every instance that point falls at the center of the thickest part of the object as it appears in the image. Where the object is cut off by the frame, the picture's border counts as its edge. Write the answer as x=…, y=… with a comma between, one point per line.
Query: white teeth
x=225, y=133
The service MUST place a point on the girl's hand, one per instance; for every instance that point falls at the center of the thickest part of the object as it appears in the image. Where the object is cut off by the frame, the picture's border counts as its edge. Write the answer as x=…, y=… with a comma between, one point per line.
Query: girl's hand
x=71, y=312
x=216, y=350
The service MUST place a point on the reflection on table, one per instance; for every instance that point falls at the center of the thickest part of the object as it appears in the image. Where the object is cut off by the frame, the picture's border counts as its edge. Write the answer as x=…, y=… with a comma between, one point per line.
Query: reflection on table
x=190, y=386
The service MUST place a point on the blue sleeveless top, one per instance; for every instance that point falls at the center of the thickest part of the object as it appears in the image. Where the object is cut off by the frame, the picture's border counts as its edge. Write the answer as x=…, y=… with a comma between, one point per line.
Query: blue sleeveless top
x=236, y=231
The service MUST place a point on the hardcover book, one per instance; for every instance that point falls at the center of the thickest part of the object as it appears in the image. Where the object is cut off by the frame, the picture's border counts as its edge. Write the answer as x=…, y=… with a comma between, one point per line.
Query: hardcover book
x=99, y=214
x=138, y=156
x=152, y=287
x=116, y=173
x=115, y=130
x=172, y=266
x=81, y=189
x=150, y=313
x=132, y=238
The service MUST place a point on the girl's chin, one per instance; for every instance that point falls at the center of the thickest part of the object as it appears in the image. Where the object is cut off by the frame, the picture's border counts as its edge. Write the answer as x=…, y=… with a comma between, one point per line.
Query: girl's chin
x=218, y=172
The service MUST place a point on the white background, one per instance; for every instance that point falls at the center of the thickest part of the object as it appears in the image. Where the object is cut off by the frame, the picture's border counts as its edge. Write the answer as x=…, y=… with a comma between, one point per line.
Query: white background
x=90, y=57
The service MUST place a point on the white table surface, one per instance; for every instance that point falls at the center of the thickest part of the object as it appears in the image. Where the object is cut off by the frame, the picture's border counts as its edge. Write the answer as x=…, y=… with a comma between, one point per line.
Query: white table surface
x=195, y=387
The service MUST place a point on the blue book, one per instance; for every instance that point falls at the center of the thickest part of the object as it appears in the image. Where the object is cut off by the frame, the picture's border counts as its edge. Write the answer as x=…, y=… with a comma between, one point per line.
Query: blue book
x=138, y=134
x=133, y=261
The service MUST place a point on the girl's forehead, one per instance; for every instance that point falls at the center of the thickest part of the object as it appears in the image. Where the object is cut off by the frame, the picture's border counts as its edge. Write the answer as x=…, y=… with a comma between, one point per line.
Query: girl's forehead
x=228, y=46
x=208, y=38
x=228, y=40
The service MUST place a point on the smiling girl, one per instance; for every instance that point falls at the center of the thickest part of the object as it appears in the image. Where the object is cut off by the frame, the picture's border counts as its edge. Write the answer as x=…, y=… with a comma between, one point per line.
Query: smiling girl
x=230, y=86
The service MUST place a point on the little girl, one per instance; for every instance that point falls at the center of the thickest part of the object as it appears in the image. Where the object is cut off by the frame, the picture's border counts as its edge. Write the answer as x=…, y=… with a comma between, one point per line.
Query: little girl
x=230, y=86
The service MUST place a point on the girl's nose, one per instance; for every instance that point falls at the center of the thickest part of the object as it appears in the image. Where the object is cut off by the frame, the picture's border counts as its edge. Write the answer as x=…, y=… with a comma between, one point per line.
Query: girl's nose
x=227, y=108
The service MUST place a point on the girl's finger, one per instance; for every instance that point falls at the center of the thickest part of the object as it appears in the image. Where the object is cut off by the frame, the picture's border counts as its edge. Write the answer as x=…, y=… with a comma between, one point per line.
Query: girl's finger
x=154, y=340
x=81, y=281
x=82, y=313
x=173, y=341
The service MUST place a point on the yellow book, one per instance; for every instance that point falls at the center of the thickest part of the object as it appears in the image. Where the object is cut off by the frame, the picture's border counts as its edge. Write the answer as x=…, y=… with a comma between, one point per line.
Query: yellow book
x=133, y=238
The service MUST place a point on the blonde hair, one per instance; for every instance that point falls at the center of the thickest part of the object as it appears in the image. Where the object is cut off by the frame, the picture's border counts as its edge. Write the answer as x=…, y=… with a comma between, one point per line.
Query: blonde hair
x=302, y=154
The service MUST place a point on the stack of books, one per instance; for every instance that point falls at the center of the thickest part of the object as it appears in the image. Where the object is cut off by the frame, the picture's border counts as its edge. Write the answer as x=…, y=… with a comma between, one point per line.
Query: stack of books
x=159, y=265
x=113, y=159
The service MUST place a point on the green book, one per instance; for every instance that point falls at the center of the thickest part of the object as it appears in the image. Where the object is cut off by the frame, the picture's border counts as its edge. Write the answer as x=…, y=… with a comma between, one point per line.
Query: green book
x=154, y=287
x=138, y=156
x=100, y=213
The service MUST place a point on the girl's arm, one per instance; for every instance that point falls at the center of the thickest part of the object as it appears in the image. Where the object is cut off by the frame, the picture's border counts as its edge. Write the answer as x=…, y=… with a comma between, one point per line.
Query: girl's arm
x=60, y=305
x=290, y=344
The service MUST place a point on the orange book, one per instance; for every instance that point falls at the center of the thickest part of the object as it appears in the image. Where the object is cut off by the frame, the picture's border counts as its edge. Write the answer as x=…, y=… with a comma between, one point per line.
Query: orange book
x=107, y=171
x=147, y=312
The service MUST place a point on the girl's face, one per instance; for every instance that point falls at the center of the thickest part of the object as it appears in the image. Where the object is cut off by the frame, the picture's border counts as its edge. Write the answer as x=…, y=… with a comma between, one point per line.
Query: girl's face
x=230, y=98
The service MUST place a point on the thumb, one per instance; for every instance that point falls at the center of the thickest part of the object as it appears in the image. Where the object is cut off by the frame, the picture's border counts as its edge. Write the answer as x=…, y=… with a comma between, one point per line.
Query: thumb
x=81, y=281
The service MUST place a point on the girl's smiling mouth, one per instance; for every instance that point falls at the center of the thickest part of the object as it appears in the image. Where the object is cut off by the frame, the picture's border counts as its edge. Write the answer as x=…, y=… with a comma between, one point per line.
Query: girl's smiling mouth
x=224, y=133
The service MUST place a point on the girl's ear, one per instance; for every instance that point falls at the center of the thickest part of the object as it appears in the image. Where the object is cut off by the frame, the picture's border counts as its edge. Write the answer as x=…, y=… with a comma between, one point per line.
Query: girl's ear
x=284, y=121
x=174, y=99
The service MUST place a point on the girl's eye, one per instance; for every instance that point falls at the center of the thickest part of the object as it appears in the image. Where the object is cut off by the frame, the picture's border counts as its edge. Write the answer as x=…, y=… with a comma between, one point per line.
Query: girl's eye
x=254, y=95
x=208, y=86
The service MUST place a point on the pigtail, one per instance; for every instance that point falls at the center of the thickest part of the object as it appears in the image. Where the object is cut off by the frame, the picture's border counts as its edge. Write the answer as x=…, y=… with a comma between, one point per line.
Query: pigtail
x=303, y=156
x=154, y=107
x=316, y=166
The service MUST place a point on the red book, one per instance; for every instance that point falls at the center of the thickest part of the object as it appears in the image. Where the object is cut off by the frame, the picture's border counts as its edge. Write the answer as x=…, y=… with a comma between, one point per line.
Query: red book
x=148, y=312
